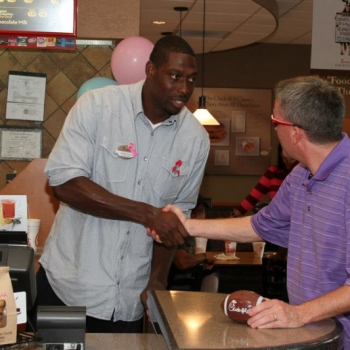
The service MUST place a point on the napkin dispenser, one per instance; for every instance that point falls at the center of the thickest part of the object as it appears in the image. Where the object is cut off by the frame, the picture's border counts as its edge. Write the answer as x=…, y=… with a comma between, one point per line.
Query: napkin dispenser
x=62, y=327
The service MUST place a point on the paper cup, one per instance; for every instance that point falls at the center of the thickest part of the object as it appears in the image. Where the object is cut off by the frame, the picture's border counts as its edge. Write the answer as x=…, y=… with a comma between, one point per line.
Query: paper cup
x=230, y=248
x=258, y=248
x=32, y=233
x=201, y=245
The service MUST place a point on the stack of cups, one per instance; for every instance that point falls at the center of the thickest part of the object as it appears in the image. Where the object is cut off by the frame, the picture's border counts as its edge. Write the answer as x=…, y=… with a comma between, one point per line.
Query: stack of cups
x=32, y=233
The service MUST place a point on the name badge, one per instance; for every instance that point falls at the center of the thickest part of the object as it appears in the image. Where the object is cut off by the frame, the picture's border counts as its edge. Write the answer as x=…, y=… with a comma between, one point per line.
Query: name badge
x=124, y=152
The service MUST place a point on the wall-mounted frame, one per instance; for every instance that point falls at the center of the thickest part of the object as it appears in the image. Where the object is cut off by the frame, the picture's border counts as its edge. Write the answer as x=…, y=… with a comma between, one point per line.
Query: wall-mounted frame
x=241, y=144
x=26, y=96
x=44, y=24
x=20, y=143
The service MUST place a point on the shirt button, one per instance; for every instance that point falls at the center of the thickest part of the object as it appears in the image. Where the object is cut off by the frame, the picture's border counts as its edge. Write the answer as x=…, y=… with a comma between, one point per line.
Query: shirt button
x=152, y=133
x=308, y=208
x=145, y=158
x=128, y=233
x=310, y=192
x=139, y=182
x=122, y=257
x=118, y=283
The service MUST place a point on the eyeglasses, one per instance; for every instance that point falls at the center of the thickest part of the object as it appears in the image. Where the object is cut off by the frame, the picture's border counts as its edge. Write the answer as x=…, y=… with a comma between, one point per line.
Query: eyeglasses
x=276, y=122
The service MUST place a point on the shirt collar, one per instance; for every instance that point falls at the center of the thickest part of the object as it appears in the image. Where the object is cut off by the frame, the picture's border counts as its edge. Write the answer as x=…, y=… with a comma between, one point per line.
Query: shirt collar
x=138, y=109
x=337, y=155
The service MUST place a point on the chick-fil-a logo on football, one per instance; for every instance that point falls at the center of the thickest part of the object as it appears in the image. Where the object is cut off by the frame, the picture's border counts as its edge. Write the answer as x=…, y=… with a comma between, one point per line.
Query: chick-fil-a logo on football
x=232, y=307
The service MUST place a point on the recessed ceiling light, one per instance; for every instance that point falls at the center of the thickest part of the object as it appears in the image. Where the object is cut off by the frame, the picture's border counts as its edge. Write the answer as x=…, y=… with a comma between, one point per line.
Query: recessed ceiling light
x=159, y=22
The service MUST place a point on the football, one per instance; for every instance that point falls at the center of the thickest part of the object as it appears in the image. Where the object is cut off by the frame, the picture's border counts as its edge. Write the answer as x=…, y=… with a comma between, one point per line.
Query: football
x=237, y=304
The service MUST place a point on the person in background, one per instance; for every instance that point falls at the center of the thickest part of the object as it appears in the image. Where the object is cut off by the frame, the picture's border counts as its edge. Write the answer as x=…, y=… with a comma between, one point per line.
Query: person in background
x=310, y=213
x=268, y=184
x=123, y=154
x=186, y=262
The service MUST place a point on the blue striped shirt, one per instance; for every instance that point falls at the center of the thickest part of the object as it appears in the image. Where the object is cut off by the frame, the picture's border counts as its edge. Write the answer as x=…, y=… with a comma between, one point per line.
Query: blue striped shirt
x=105, y=264
x=312, y=218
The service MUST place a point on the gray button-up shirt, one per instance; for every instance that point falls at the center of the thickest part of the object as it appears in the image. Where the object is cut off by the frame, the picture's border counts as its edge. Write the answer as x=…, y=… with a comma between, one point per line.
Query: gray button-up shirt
x=105, y=264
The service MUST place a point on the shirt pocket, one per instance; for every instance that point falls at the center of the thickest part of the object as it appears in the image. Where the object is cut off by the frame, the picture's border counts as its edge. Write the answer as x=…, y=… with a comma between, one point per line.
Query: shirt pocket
x=169, y=183
x=110, y=166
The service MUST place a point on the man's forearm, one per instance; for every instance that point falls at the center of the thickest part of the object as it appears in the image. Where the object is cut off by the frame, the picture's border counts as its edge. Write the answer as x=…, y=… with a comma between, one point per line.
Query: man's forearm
x=328, y=305
x=87, y=196
x=230, y=229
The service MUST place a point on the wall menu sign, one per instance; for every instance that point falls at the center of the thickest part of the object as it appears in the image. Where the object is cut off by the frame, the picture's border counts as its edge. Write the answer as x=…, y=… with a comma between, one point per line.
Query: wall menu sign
x=241, y=144
x=44, y=24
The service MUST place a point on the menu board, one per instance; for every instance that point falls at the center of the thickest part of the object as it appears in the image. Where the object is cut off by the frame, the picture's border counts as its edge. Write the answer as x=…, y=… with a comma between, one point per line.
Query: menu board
x=38, y=23
x=241, y=144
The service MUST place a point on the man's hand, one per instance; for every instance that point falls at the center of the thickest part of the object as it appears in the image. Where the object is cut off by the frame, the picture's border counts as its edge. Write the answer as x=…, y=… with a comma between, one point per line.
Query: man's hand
x=169, y=209
x=177, y=211
x=275, y=314
x=165, y=227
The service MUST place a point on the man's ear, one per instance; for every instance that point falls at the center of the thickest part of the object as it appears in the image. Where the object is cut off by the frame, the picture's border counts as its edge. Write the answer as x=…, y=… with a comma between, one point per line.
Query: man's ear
x=296, y=134
x=150, y=68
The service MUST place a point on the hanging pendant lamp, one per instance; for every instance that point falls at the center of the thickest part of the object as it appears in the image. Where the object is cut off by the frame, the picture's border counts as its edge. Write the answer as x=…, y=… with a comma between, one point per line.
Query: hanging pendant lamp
x=180, y=9
x=202, y=114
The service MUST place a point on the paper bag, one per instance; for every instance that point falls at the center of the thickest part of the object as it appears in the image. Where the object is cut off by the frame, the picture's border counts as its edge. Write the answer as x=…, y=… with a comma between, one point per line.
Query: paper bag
x=8, y=314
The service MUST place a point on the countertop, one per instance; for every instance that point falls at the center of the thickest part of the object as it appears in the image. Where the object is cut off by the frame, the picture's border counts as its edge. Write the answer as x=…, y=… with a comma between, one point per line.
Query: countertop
x=194, y=320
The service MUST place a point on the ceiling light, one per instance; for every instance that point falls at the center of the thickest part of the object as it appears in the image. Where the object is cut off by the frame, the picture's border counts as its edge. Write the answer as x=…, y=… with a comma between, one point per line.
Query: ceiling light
x=159, y=22
x=202, y=114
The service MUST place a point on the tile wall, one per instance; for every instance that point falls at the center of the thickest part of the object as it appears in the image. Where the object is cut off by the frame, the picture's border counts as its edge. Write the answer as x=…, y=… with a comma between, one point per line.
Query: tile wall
x=65, y=72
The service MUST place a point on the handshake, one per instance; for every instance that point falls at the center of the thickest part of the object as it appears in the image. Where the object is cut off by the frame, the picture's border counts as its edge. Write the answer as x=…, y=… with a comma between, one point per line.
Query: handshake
x=168, y=226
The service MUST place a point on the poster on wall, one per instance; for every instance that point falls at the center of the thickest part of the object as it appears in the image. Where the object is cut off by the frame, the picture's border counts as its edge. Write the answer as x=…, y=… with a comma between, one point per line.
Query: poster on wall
x=13, y=213
x=241, y=144
x=331, y=35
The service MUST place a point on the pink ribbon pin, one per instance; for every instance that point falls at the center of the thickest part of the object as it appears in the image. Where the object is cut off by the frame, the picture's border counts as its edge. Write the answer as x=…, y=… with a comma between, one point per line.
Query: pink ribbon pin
x=132, y=148
x=176, y=168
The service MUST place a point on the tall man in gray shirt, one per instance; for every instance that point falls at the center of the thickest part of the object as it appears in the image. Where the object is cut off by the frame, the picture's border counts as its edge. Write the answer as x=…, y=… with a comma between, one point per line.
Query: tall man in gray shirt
x=124, y=153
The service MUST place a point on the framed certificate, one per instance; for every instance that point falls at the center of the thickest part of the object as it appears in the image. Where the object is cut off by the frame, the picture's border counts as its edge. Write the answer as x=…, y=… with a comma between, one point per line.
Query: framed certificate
x=20, y=143
x=26, y=96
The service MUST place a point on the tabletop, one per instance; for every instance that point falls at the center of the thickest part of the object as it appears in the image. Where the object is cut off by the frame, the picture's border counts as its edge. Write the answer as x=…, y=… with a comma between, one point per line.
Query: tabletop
x=195, y=320
x=244, y=259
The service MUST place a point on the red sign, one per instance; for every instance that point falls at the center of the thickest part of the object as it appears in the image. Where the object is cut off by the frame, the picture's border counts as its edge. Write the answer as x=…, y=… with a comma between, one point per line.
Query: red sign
x=44, y=24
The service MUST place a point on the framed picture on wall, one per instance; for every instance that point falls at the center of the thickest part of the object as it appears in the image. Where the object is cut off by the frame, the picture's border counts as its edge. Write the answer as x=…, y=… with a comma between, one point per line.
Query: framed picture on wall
x=241, y=144
x=247, y=146
x=238, y=121
x=219, y=134
x=20, y=143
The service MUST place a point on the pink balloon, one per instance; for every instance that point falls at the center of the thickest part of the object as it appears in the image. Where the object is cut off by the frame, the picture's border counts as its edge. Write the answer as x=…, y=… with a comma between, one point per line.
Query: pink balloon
x=129, y=58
